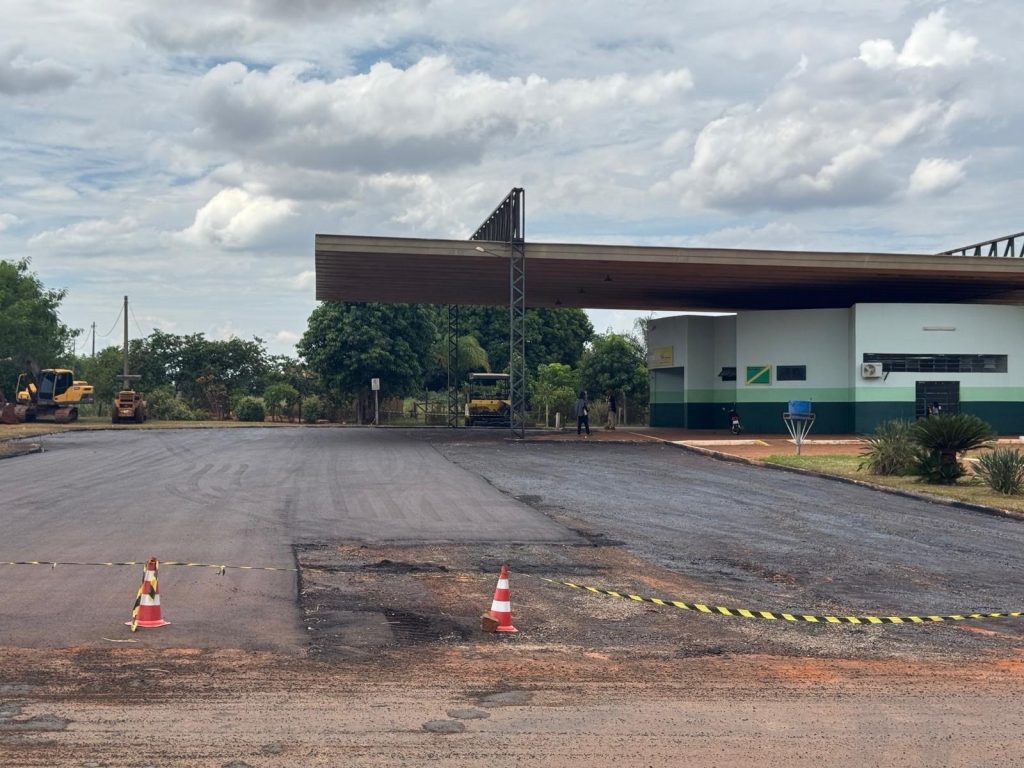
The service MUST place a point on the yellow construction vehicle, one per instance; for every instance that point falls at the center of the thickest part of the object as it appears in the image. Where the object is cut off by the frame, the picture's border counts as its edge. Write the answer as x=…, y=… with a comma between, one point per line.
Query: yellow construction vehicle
x=488, y=400
x=50, y=392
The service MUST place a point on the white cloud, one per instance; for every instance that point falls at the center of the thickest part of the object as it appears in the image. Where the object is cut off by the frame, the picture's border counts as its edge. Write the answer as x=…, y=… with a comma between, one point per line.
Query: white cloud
x=934, y=175
x=930, y=44
x=118, y=234
x=21, y=75
x=236, y=218
x=304, y=280
x=7, y=220
x=287, y=337
x=427, y=115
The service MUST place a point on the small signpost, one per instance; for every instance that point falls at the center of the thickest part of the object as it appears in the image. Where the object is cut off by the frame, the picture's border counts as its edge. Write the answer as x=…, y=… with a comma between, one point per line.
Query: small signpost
x=375, y=386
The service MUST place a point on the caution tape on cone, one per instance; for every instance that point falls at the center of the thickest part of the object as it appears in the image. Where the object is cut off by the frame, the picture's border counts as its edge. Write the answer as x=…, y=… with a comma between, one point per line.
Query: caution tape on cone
x=220, y=567
x=719, y=610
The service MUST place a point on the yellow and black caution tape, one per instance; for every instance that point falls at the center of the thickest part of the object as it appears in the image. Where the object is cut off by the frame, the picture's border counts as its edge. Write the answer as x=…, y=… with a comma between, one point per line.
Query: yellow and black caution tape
x=720, y=610
x=221, y=568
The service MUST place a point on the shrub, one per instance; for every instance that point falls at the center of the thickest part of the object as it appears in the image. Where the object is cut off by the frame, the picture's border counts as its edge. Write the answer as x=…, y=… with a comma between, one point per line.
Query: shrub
x=312, y=409
x=890, y=451
x=1002, y=470
x=941, y=439
x=163, y=404
x=250, y=409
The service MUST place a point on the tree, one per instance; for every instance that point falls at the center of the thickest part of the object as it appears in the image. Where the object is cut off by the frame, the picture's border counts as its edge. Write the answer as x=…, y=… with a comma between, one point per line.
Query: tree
x=29, y=324
x=470, y=356
x=615, y=362
x=102, y=371
x=280, y=397
x=555, y=386
x=207, y=374
x=350, y=343
x=552, y=335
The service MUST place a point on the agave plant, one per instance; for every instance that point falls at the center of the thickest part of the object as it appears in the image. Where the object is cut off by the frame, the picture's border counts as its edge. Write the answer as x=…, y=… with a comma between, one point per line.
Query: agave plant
x=890, y=451
x=1003, y=470
x=942, y=438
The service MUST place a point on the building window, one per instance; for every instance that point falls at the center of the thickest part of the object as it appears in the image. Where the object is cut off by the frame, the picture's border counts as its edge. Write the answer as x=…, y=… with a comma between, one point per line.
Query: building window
x=727, y=374
x=791, y=373
x=909, y=363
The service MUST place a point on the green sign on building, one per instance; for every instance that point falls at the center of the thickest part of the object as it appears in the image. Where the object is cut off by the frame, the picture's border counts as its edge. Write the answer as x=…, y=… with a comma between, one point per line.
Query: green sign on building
x=759, y=374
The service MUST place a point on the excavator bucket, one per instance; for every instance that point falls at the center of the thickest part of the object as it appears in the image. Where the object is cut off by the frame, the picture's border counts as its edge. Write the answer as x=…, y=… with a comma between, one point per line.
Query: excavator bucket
x=8, y=414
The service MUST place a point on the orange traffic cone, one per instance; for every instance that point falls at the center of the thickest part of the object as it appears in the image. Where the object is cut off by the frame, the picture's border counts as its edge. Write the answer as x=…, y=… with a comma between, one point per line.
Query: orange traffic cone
x=501, y=605
x=146, y=611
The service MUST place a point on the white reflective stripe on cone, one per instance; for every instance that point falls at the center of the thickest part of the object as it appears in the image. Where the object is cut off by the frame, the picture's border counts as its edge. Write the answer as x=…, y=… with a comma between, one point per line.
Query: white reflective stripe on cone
x=147, y=600
x=502, y=606
x=502, y=583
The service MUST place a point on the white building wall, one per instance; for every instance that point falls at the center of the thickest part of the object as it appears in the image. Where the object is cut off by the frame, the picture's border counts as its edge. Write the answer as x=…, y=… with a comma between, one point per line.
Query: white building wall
x=816, y=338
x=957, y=329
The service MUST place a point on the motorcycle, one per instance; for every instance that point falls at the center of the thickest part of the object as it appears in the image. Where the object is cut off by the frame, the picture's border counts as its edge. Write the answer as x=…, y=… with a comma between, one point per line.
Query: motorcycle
x=734, y=422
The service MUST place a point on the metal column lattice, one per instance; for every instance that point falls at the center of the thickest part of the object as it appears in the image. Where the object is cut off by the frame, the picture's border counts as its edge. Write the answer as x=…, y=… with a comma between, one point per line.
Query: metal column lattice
x=454, y=372
x=507, y=224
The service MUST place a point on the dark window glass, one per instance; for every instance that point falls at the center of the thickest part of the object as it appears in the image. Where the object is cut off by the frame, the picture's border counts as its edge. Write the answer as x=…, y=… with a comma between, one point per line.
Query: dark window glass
x=791, y=373
x=910, y=363
x=727, y=374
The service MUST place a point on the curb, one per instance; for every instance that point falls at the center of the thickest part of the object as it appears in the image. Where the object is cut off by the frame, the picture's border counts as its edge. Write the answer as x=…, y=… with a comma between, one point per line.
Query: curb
x=24, y=450
x=918, y=495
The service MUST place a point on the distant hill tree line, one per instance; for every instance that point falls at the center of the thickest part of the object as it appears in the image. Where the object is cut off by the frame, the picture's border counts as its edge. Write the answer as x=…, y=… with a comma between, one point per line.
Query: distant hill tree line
x=345, y=345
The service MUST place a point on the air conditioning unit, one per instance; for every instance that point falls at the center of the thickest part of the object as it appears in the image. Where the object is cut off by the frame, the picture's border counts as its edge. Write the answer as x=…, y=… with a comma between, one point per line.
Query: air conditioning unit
x=871, y=370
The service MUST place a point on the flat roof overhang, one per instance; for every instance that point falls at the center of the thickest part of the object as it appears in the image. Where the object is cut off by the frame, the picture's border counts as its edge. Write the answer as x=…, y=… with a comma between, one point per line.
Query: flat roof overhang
x=426, y=271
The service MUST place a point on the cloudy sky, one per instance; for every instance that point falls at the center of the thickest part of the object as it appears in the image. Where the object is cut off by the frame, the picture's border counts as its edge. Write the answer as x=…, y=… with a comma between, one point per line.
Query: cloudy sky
x=186, y=153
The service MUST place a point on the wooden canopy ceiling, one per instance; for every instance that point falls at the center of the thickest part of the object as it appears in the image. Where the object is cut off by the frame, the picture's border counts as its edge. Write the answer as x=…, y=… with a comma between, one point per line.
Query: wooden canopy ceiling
x=421, y=271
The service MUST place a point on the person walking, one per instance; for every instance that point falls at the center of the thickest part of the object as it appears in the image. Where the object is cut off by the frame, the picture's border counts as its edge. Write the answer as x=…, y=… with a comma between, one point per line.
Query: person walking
x=613, y=411
x=582, y=414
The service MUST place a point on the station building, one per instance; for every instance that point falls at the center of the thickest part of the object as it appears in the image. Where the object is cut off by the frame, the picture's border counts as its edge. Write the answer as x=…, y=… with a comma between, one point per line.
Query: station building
x=863, y=337
x=857, y=366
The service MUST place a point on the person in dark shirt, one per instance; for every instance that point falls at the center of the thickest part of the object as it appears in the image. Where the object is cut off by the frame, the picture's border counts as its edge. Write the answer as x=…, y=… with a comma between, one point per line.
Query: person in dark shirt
x=613, y=411
x=582, y=414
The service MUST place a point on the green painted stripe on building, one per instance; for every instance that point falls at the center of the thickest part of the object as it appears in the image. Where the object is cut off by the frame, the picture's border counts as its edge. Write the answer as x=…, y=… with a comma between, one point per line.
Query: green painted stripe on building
x=992, y=394
x=667, y=397
x=779, y=394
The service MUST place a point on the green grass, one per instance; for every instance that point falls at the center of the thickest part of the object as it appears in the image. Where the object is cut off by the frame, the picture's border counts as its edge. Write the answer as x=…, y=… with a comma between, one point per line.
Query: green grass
x=969, y=489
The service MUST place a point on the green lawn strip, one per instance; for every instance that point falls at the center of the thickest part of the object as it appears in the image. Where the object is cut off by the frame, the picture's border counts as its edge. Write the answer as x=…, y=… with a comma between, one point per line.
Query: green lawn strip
x=970, y=489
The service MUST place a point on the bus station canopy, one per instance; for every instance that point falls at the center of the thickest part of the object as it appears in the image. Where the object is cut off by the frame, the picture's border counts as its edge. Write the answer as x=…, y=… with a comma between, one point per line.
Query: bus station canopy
x=429, y=271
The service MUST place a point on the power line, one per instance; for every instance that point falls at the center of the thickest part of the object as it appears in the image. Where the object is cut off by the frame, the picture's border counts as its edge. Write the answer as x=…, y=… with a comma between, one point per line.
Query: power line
x=131, y=310
x=105, y=335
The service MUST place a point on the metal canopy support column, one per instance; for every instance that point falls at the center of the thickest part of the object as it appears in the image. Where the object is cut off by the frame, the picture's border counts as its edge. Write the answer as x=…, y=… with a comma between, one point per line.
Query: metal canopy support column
x=454, y=373
x=507, y=224
x=517, y=337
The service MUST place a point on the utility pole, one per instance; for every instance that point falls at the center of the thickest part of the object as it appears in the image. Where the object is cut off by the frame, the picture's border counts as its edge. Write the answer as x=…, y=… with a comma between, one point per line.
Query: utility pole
x=94, y=338
x=126, y=378
x=125, y=313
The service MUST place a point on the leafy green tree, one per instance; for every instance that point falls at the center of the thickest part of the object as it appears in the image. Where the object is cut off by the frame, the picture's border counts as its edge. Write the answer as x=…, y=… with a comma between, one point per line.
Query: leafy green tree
x=555, y=386
x=615, y=362
x=470, y=356
x=30, y=326
x=280, y=397
x=206, y=374
x=552, y=335
x=102, y=371
x=348, y=344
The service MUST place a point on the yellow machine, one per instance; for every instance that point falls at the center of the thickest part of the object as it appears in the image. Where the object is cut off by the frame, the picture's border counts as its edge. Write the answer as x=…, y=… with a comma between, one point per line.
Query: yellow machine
x=488, y=401
x=129, y=405
x=50, y=392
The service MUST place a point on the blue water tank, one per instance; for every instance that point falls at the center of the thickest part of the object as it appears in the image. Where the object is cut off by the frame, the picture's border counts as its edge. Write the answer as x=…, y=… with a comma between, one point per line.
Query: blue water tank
x=800, y=407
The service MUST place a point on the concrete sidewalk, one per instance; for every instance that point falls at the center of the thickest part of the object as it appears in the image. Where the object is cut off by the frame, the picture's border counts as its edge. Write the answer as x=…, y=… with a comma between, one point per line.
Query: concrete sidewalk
x=750, y=446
